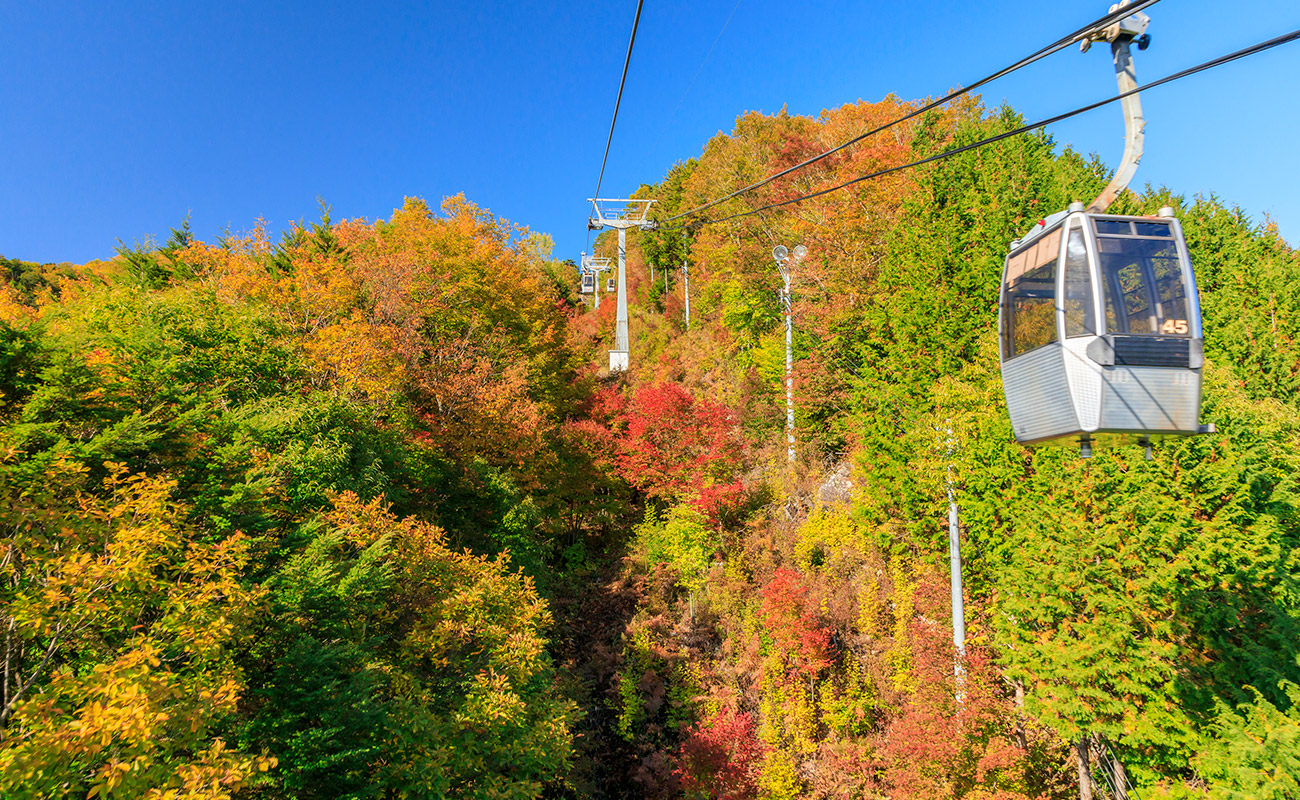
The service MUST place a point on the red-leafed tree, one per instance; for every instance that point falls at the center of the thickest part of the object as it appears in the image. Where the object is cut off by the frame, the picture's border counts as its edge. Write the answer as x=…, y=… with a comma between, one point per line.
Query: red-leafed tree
x=675, y=447
x=720, y=757
x=793, y=625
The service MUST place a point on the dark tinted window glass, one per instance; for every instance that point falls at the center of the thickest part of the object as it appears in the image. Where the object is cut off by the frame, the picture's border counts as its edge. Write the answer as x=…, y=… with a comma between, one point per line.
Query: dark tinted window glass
x=1153, y=229
x=1077, y=297
x=1029, y=297
x=1119, y=226
x=1143, y=286
x=1171, y=296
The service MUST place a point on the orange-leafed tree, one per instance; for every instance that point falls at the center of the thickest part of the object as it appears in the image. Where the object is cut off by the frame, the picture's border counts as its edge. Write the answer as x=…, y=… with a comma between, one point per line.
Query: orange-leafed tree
x=121, y=630
x=793, y=625
x=957, y=732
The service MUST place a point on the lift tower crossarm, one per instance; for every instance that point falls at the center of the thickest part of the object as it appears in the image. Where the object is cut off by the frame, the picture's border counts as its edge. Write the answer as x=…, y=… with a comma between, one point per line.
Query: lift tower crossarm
x=1121, y=35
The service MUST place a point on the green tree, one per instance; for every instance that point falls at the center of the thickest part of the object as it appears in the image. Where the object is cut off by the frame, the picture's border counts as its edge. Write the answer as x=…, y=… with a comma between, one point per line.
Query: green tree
x=1255, y=751
x=411, y=670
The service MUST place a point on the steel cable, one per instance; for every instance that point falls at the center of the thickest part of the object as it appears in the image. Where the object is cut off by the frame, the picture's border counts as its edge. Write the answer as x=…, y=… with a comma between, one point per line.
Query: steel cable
x=1054, y=47
x=619, y=100
x=1217, y=62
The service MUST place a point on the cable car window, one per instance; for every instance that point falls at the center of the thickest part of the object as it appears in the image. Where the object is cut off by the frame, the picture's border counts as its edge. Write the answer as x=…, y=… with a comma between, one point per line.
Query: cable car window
x=1171, y=294
x=1077, y=292
x=1160, y=229
x=1144, y=287
x=1029, y=296
x=1118, y=227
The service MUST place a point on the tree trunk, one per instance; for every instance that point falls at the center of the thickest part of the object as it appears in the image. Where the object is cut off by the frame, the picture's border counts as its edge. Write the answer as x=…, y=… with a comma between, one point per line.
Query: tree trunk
x=1022, y=736
x=1085, y=774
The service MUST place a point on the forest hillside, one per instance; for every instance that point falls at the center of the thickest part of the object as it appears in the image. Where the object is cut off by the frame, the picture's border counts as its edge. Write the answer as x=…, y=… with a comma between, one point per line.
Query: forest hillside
x=358, y=512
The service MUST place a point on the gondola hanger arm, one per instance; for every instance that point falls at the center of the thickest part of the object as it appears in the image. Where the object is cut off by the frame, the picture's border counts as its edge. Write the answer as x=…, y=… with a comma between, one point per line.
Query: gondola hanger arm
x=1121, y=35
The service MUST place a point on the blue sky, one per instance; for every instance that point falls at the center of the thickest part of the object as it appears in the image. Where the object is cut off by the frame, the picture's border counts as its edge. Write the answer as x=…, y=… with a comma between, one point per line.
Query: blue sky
x=117, y=119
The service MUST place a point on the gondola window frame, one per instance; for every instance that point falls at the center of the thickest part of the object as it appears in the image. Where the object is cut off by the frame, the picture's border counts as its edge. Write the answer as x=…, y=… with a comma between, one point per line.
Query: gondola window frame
x=1090, y=325
x=1008, y=305
x=1114, y=317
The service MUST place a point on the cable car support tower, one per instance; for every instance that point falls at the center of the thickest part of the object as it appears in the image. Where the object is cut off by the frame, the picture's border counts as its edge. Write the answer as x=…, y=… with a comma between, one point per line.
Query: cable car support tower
x=592, y=267
x=620, y=214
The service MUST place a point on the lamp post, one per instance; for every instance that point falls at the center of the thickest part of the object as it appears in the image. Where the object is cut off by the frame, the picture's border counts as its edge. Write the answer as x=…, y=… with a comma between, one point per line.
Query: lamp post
x=786, y=262
x=686, y=289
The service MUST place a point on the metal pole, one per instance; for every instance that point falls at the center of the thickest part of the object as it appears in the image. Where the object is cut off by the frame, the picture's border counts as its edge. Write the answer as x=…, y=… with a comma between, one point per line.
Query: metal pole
x=629, y=214
x=618, y=357
x=789, y=370
x=1134, y=126
x=598, y=270
x=786, y=261
x=954, y=559
x=686, y=284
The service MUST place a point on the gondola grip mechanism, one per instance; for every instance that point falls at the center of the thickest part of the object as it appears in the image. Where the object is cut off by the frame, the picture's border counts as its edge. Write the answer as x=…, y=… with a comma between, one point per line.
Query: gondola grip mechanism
x=1120, y=35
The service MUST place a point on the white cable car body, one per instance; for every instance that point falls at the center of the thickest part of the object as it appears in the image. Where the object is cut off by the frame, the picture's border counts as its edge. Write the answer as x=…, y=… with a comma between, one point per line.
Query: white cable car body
x=1099, y=322
x=1101, y=329
x=588, y=283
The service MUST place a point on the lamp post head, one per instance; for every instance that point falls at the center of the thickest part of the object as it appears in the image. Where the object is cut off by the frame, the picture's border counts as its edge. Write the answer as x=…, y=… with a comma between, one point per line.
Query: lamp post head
x=799, y=252
x=780, y=253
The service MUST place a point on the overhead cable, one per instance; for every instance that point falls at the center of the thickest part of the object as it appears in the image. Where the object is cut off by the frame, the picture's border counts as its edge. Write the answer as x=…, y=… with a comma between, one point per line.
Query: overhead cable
x=1059, y=44
x=700, y=69
x=619, y=100
x=1220, y=61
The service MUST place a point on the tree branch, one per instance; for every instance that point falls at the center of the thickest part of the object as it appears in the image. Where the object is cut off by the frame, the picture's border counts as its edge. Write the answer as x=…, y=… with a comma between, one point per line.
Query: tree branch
x=31, y=679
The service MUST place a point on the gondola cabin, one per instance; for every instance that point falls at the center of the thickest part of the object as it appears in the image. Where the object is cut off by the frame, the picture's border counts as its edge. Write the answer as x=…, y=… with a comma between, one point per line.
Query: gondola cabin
x=1100, y=329
x=588, y=283
x=611, y=285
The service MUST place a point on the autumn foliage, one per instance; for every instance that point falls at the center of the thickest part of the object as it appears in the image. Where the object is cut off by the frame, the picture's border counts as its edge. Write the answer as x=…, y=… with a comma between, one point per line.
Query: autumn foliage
x=218, y=466
x=676, y=447
x=793, y=625
x=121, y=643
x=720, y=757
x=356, y=511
